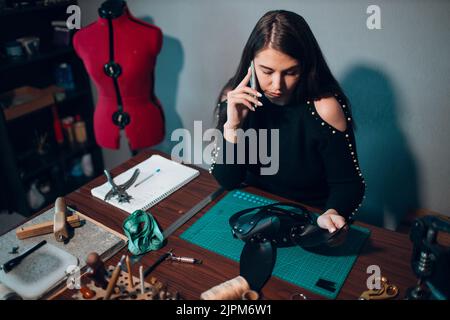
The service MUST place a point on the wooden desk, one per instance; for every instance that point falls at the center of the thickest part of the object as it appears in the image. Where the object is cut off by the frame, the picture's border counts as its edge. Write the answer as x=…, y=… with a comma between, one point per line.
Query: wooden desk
x=389, y=250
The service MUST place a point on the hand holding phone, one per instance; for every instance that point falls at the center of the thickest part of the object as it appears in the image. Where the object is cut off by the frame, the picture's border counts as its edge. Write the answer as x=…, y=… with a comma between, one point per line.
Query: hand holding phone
x=241, y=100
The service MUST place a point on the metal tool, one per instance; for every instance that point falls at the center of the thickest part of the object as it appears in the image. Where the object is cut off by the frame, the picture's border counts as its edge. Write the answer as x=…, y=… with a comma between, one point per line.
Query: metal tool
x=119, y=191
x=173, y=257
x=386, y=291
x=169, y=256
x=157, y=263
x=192, y=212
x=11, y=264
x=430, y=259
x=114, y=277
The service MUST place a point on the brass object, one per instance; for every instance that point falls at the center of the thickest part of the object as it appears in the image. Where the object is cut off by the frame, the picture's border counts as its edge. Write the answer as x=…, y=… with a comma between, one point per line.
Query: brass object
x=386, y=291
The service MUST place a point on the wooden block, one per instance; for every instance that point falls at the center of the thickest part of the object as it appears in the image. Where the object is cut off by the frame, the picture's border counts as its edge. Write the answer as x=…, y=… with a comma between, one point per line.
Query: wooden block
x=123, y=290
x=45, y=228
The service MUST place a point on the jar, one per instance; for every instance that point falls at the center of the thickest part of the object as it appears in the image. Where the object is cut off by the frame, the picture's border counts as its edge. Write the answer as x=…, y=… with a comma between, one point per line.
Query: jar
x=80, y=131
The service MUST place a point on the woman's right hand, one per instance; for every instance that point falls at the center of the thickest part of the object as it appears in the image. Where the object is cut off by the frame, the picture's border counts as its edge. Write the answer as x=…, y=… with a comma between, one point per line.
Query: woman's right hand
x=239, y=102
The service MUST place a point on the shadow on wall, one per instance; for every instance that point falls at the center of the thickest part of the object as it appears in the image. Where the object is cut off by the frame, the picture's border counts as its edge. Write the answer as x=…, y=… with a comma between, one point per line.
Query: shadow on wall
x=386, y=160
x=168, y=67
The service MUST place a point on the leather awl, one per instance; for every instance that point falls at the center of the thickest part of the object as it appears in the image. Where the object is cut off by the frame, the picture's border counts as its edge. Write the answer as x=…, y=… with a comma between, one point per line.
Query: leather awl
x=59, y=223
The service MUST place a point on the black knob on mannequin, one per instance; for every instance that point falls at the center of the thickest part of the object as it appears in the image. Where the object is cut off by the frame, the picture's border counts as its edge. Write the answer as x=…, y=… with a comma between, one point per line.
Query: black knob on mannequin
x=111, y=9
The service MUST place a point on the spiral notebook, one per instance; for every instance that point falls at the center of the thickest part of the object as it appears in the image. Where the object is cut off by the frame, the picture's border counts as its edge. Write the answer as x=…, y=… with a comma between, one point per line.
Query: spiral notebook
x=158, y=178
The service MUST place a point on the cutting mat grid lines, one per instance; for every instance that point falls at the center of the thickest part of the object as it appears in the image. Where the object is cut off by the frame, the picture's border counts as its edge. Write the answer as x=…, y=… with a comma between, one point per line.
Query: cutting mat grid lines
x=294, y=264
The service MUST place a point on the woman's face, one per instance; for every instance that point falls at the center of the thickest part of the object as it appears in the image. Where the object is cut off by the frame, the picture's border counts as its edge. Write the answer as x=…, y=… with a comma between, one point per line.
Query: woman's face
x=277, y=74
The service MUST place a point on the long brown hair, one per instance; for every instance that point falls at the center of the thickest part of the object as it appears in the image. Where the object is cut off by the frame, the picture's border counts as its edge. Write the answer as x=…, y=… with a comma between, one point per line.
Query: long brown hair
x=289, y=33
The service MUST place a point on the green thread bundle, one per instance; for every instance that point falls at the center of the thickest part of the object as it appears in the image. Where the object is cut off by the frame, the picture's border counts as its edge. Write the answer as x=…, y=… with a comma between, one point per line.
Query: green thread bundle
x=143, y=233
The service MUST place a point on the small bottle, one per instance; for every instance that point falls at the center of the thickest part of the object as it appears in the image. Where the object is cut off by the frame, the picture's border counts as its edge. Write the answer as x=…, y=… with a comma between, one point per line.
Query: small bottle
x=80, y=130
x=67, y=123
x=64, y=76
x=87, y=166
x=59, y=136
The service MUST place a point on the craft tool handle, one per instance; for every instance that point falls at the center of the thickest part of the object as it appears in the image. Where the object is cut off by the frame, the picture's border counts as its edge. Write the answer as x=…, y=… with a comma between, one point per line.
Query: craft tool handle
x=157, y=263
x=8, y=266
x=186, y=260
x=130, y=274
x=45, y=228
x=114, y=277
x=110, y=179
x=60, y=224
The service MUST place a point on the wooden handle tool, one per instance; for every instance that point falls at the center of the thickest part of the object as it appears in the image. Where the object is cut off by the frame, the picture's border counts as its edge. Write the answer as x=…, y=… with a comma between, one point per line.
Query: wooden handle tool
x=130, y=274
x=45, y=227
x=114, y=277
x=59, y=224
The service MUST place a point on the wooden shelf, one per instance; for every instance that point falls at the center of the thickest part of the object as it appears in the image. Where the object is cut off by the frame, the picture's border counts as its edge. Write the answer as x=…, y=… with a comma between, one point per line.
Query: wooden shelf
x=60, y=156
x=29, y=100
x=33, y=9
x=29, y=119
x=50, y=53
x=44, y=100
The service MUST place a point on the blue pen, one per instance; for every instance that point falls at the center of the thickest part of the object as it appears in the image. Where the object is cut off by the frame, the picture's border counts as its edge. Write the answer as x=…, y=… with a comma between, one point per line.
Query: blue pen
x=156, y=171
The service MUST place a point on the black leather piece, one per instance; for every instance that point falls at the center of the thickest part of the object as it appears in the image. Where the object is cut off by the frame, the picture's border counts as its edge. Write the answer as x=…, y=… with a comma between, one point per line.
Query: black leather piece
x=257, y=262
x=314, y=236
x=265, y=228
x=245, y=224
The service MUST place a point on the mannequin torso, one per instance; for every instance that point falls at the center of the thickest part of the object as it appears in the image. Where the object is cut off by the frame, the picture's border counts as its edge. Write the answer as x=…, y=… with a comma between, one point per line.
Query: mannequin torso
x=136, y=46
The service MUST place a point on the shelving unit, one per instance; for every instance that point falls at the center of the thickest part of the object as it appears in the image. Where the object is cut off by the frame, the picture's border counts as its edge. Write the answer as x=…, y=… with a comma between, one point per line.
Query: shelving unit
x=52, y=53
x=7, y=12
x=57, y=168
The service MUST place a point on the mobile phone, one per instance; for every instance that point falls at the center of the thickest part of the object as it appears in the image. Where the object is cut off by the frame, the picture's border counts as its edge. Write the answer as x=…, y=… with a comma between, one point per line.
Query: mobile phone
x=253, y=79
x=253, y=76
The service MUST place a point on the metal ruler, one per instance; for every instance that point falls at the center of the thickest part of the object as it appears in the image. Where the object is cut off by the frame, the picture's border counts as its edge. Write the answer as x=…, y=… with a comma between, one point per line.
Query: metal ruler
x=192, y=212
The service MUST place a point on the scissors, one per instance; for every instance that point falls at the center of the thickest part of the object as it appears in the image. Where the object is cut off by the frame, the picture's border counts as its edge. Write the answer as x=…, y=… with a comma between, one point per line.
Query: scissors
x=386, y=291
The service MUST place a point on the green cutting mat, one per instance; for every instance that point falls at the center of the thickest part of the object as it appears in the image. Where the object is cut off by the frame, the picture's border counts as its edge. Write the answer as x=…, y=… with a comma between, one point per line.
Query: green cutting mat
x=294, y=264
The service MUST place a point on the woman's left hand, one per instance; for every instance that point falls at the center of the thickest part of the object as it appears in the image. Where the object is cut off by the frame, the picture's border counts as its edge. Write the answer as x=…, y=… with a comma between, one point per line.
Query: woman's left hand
x=331, y=220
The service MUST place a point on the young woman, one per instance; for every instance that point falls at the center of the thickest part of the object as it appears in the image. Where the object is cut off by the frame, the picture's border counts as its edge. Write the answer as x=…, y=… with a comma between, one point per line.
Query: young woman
x=297, y=94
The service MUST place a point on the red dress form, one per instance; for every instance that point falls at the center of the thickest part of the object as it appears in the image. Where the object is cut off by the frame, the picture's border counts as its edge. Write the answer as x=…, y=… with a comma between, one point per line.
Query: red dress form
x=136, y=46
